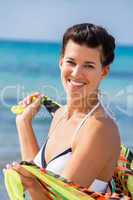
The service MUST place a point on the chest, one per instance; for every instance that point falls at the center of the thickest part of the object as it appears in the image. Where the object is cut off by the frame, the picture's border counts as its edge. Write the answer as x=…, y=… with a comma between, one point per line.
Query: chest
x=62, y=137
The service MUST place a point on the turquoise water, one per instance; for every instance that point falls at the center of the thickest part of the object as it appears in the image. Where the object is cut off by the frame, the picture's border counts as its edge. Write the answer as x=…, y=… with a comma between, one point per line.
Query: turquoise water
x=27, y=67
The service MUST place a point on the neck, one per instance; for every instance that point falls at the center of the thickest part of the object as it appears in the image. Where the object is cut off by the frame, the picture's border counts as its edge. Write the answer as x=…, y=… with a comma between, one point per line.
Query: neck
x=82, y=105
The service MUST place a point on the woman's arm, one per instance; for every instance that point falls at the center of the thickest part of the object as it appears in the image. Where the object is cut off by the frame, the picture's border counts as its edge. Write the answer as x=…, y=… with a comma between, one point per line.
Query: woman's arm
x=28, y=143
x=94, y=150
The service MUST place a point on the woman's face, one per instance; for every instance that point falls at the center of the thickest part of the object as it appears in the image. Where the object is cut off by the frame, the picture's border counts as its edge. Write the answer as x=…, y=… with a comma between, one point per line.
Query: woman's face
x=81, y=70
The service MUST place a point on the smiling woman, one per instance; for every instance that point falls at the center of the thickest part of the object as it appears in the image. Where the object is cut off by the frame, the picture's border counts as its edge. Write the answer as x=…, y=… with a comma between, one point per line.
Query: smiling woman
x=82, y=134
x=82, y=69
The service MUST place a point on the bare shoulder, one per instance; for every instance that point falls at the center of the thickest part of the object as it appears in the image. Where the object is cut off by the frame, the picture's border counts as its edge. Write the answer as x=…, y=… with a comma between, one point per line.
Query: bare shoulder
x=103, y=132
x=105, y=124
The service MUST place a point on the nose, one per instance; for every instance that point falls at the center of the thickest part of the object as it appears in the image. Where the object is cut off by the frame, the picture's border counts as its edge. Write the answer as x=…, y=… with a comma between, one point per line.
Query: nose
x=77, y=71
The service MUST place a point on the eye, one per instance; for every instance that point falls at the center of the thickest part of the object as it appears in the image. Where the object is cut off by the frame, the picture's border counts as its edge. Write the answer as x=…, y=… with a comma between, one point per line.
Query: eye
x=89, y=66
x=70, y=62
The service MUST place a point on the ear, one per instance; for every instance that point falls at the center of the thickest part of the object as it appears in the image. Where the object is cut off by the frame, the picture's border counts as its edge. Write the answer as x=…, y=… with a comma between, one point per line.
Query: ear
x=105, y=71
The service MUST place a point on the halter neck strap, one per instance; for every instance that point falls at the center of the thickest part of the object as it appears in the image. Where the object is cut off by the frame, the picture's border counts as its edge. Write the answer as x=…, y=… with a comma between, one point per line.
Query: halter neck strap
x=84, y=120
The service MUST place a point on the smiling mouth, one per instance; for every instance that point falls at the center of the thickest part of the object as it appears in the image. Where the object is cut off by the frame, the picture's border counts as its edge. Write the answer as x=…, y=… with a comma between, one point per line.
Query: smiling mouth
x=76, y=83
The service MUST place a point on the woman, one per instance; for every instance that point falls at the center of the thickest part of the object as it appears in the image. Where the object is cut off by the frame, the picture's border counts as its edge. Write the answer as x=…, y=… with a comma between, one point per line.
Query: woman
x=83, y=143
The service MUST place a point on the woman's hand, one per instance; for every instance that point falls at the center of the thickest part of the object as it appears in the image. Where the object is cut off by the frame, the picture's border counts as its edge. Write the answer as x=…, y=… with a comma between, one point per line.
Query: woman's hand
x=36, y=190
x=31, y=107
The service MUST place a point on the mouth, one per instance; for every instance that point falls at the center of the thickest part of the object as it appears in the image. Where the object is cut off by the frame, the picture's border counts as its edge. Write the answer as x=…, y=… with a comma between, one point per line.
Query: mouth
x=76, y=83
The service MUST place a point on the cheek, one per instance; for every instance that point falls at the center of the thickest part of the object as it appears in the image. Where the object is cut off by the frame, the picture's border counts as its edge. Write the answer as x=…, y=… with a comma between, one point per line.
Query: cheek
x=94, y=78
x=97, y=74
x=65, y=72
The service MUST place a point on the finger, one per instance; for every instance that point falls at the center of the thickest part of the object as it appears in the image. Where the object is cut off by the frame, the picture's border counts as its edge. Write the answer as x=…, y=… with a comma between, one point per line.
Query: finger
x=35, y=106
x=8, y=166
x=22, y=171
x=27, y=182
x=26, y=101
x=32, y=183
x=31, y=98
x=3, y=170
x=36, y=102
x=23, y=102
x=14, y=163
x=35, y=95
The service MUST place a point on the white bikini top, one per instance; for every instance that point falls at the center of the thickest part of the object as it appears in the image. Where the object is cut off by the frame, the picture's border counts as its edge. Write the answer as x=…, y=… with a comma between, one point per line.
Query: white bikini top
x=58, y=163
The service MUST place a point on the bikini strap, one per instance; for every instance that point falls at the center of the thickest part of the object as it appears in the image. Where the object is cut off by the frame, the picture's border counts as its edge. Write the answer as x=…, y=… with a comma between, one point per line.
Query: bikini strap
x=83, y=121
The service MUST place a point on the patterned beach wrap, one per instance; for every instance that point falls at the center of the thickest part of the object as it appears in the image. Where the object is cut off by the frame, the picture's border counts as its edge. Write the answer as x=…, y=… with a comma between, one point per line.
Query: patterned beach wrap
x=57, y=188
x=123, y=175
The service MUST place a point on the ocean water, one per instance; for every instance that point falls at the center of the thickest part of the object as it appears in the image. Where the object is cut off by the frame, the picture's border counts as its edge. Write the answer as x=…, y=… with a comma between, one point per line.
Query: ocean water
x=26, y=67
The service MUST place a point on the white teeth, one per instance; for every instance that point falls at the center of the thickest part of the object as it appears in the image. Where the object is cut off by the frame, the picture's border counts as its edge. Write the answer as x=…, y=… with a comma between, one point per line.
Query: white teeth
x=76, y=83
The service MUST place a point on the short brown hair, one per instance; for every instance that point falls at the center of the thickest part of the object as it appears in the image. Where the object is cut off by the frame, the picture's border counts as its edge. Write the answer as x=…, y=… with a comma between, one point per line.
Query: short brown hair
x=92, y=36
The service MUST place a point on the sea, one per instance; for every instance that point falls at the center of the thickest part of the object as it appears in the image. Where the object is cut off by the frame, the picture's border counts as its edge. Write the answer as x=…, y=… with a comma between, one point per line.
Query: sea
x=27, y=67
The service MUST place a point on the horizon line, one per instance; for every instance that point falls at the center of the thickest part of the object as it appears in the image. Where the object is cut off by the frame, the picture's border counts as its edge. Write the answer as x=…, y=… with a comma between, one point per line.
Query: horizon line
x=29, y=40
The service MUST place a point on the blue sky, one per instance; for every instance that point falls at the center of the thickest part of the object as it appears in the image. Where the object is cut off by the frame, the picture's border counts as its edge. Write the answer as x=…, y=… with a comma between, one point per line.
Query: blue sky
x=48, y=19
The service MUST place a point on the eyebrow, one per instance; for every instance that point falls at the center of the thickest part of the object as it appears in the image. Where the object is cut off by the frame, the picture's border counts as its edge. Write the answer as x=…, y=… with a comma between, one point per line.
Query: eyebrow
x=86, y=62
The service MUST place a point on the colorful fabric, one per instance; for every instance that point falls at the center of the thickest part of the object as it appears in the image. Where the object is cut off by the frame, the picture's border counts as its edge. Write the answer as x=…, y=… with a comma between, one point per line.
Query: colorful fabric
x=60, y=189
x=49, y=104
x=123, y=175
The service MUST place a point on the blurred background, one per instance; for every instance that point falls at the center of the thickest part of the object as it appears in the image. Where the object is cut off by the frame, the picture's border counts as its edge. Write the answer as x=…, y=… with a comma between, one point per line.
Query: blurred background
x=30, y=41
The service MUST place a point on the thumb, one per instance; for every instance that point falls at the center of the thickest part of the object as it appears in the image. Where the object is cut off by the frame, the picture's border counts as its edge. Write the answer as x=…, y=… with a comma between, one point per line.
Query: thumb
x=36, y=102
x=35, y=106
